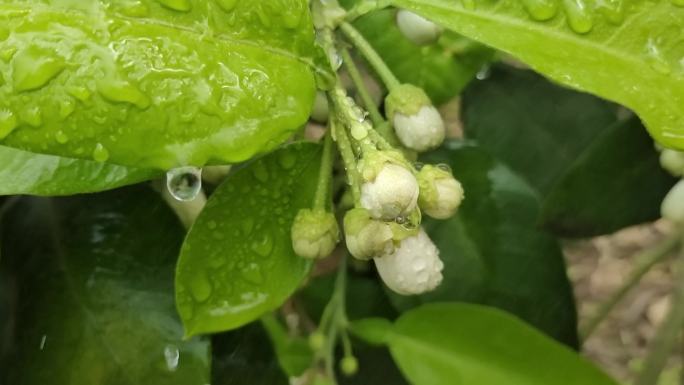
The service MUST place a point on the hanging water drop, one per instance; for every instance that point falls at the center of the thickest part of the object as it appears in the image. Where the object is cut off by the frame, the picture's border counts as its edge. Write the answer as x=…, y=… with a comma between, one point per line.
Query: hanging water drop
x=184, y=183
x=541, y=9
x=100, y=153
x=172, y=357
x=579, y=16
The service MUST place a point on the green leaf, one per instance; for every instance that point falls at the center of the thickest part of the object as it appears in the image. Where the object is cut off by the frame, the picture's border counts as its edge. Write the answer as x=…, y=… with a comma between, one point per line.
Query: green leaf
x=459, y=344
x=493, y=252
x=237, y=262
x=94, y=283
x=36, y=174
x=245, y=356
x=565, y=143
x=442, y=69
x=154, y=83
x=616, y=182
x=628, y=52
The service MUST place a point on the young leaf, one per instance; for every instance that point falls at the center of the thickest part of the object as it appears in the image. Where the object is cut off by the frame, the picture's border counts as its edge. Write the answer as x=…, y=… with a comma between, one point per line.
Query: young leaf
x=460, y=344
x=629, y=52
x=237, y=261
x=545, y=132
x=154, y=83
x=617, y=181
x=493, y=252
x=94, y=284
x=37, y=174
x=442, y=69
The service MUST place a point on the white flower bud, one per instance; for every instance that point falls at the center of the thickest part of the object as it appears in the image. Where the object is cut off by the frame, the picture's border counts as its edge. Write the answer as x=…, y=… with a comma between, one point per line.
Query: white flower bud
x=416, y=28
x=672, y=207
x=392, y=193
x=440, y=194
x=314, y=233
x=418, y=124
x=413, y=268
x=672, y=161
x=367, y=237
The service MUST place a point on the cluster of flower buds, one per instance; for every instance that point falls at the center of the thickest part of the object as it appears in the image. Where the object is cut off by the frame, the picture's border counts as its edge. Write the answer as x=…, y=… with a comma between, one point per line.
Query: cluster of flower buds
x=672, y=207
x=314, y=233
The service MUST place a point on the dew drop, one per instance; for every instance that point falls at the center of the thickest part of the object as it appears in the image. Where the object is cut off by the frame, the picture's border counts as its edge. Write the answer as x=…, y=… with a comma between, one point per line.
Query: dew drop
x=176, y=5
x=61, y=137
x=335, y=60
x=264, y=245
x=287, y=160
x=359, y=131
x=260, y=172
x=32, y=116
x=120, y=91
x=484, y=73
x=172, y=357
x=66, y=108
x=184, y=183
x=200, y=287
x=8, y=122
x=227, y=5
x=33, y=68
x=252, y=273
x=579, y=16
x=541, y=9
x=100, y=153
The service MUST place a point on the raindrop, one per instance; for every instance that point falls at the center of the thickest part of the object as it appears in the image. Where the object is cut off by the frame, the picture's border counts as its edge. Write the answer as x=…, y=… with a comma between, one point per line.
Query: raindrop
x=184, y=183
x=61, y=137
x=483, y=73
x=335, y=60
x=100, y=153
x=541, y=9
x=579, y=17
x=33, y=68
x=171, y=356
x=200, y=287
x=263, y=246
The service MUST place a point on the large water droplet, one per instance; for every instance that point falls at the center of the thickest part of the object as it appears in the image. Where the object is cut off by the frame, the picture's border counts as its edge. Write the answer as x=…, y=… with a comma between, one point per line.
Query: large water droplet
x=541, y=9
x=579, y=16
x=252, y=273
x=287, y=159
x=172, y=357
x=184, y=183
x=8, y=122
x=200, y=287
x=263, y=245
x=61, y=137
x=100, y=153
x=33, y=68
x=120, y=91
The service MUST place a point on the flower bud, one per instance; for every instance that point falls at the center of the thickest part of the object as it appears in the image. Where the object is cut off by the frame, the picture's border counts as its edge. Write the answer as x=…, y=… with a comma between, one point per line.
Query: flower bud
x=413, y=268
x=416, y=28
x=672, y=161
x=389, y=188
x=672, y=207
x=314, y=233
x=418, y=124
x=440, y=194
x=321, y=109
x=349, y=365
x=367, y=237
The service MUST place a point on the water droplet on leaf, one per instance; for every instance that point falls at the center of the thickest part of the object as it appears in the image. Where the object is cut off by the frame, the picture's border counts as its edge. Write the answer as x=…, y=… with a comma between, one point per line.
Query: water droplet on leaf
x=8, y=122
x=171, y=356
x=100, y=153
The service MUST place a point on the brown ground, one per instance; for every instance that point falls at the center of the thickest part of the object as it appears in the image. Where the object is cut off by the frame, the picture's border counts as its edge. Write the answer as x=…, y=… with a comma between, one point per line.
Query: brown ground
x=598, y=267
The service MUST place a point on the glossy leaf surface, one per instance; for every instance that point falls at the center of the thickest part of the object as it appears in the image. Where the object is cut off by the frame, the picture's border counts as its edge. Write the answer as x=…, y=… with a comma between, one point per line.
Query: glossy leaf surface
x=154, y=83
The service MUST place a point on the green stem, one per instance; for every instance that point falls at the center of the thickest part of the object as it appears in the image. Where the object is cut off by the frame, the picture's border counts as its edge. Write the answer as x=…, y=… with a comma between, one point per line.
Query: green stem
x=349, y=160
x=360, y=42
x=365, y=7
x=338, y=321
x=645, y=261
x=666, y=336
x=361, y=88
x=325, y=174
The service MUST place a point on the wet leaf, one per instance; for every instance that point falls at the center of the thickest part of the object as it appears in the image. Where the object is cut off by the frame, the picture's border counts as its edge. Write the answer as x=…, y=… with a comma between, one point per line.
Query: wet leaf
x=94, y=293
x=237, y=261
x=628, y=52
x=37, y=174
x=459, y=344
x=152, y=83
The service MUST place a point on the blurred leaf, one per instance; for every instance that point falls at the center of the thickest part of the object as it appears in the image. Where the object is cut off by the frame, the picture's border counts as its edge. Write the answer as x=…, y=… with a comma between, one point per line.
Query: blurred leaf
x=628, y=52
x=237, y=262
x=616, y=182
x=493, y=252
x=459, y=344
x=294, y=353
x=245, y=356
x=36, y=174
x=442, y=69
x=94, y=282
x=545, y=132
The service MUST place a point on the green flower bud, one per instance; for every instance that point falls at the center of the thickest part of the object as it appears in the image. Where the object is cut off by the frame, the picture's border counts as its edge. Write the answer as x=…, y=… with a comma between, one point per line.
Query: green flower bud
x=321, y=110
x=416, y=28
x=672, y=207
x=316, y=341
x=440, y=194
x=418, y=124
x=314, y=233
x=672, y=161
x=367, y=237
x=349, y=365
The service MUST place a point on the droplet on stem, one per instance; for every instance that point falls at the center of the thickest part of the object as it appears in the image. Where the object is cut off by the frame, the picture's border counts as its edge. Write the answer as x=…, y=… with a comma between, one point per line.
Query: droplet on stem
x=184, y=183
